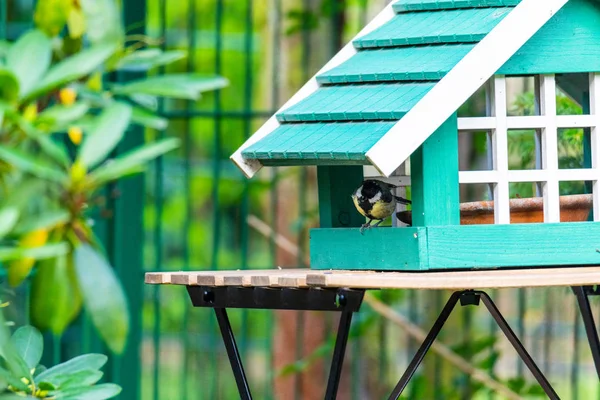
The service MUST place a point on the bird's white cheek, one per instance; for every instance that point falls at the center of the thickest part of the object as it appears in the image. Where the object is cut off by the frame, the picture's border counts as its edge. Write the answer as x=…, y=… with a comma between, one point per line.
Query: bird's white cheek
x=375, y=198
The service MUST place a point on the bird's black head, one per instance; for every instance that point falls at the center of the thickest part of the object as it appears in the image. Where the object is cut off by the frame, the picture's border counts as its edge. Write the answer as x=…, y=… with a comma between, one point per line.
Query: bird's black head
x=370, y=188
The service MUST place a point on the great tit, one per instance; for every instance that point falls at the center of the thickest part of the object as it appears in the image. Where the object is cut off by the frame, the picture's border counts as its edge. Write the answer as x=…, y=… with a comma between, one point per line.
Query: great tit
x=374, y=200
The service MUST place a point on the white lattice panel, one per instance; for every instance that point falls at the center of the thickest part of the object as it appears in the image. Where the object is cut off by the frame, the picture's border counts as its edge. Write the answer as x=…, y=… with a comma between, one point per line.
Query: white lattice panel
x=547, y=124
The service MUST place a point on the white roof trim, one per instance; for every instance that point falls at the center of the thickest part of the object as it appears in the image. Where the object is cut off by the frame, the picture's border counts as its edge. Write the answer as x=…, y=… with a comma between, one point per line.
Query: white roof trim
x=250, y=167
x=460, y=83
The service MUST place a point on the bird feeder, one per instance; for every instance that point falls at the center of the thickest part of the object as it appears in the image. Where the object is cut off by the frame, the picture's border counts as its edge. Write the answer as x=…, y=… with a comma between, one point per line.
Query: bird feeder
x=389, y=100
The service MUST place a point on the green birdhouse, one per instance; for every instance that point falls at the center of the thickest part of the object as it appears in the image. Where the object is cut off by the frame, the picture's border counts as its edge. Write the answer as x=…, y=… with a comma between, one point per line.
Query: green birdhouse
x=387, y=104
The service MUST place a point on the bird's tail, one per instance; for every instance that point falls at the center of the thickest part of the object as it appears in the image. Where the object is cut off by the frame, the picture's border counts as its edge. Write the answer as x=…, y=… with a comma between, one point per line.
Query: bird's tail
x=402, y=200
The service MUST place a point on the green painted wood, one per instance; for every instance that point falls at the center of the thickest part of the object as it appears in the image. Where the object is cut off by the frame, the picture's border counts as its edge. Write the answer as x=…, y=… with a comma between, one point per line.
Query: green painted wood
x=335, y=184
x=357, y=102
x=574, y=85
x=279, y=162
x=457, y=247
x=429, y=63
x=516, y=245
x=434, y=178
x=398, y=249
x=569, y=42
x=426, y=5
x=307, y=143
x=452, y=26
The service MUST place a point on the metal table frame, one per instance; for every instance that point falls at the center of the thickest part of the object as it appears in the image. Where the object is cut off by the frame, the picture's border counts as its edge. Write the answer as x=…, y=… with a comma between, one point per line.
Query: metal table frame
x=348, y=301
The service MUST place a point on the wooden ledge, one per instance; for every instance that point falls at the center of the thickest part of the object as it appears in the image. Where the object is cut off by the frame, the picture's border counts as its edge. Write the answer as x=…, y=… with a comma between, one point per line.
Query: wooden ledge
x=294, y=278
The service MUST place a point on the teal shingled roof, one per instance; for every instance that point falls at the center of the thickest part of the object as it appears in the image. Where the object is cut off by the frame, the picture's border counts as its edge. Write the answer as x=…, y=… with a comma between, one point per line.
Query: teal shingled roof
x=357, y=103
x=429, y=5
x=324, y=142
x=395, y=66
x=431, y=27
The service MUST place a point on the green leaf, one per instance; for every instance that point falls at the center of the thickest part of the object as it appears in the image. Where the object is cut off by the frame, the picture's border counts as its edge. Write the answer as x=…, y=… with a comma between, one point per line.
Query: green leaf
x=4, y=47
x=8, y=218
x=33, y=165
x=85, y=362
x=29, y=344
x=55, y=150
x=108, y=313
x=17, y=366
x=73, y=68
x=52, y=281
x=62, y=115
x=143, y=60
x=145, y=100
x=38, y=370
x=107, y=134
x=29, y=58
x=50, y=147
x=132, y=161
x=44, y=221
x=38, y=253
x=103, y=19
x=9, y=85
x=148, y=119
x=85, y=377
x=13, y=396
x=46, y=386
x=98, y=392
x=20, y=196
x=516, y=384
x=9, y=378
x=181, y=86
x=51, y=15
x=76, y=23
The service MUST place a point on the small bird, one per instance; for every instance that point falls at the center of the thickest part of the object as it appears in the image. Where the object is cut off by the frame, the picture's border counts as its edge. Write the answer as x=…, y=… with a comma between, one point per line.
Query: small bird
x=374, y=200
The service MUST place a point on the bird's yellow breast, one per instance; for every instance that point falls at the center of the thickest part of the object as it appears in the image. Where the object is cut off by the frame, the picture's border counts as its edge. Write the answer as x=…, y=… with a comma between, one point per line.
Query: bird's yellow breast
x=382, y=210
x=358, y=207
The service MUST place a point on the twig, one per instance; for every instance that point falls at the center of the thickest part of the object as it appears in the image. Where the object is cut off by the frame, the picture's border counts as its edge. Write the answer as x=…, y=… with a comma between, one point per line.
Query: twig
x=387, y=312
x=282, y=242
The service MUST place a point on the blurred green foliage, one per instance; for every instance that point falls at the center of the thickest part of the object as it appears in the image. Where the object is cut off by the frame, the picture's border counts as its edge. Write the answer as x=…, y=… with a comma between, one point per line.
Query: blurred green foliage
x=52, y=85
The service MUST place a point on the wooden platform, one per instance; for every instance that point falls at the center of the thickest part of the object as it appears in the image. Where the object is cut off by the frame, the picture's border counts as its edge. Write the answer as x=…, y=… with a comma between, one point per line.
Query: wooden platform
x=575, y=276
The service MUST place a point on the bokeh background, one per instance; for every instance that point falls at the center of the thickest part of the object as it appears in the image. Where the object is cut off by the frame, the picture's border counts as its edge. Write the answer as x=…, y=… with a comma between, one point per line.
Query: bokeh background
x=194, y=210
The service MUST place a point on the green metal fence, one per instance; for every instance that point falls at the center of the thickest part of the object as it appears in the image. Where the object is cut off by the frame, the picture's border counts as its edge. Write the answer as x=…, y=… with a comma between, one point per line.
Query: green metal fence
x=194, y=211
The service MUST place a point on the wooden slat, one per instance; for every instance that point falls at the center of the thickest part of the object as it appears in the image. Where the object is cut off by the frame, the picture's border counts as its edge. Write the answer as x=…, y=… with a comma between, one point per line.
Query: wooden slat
x=458, y=280
x=282, y=278
x=264, y=277
x=391, y=280
x=158, y=278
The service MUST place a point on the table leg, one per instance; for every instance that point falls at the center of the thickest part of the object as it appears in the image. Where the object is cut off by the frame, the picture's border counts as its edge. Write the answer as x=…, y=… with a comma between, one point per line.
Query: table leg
x=472, y=297
x=589, y=323
x=233, y=353
x=337, y=360
x=516, y=343
x=418, y=358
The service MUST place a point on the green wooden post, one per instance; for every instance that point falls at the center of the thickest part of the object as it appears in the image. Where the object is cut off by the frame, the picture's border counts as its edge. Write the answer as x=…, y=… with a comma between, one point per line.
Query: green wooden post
x=336, y=185
x=436, y=201
x=587, y=147
x=434, y=178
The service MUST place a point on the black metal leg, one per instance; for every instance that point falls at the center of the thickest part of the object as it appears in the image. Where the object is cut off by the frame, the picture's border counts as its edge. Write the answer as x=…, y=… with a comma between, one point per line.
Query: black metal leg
x=471, y=297
x=233, y=354
x=589, y=323
x=514, y=340
x=433, y=333
x=337, y=361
